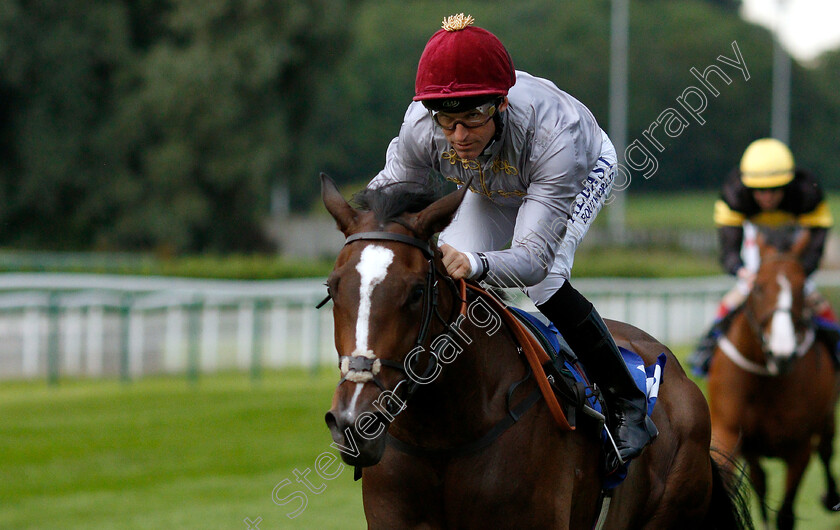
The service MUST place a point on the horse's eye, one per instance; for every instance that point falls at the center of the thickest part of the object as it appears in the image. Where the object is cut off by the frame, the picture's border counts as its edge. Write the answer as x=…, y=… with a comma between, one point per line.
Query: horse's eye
x=416, y=294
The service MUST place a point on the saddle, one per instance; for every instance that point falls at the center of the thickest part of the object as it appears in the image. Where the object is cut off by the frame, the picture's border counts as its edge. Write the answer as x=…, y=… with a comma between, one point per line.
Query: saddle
x=568, y=378
x=564, y=382
x=562, y=369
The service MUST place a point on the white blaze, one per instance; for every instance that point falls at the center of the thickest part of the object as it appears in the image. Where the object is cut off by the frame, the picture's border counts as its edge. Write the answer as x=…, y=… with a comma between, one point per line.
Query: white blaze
x=782, y=332
x=352, y=407
x=372, y=267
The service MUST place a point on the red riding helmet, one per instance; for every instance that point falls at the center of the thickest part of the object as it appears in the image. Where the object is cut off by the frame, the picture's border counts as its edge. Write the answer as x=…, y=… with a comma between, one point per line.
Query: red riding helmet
x=462, y=61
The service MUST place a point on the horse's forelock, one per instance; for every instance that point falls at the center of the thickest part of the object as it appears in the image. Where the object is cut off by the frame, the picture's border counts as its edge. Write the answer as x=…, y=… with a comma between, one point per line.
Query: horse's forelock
x=390, y=201
x=781, y=239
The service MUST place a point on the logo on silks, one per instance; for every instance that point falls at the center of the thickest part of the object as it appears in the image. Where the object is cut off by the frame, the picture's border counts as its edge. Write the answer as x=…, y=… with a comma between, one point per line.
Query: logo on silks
x=451, y=103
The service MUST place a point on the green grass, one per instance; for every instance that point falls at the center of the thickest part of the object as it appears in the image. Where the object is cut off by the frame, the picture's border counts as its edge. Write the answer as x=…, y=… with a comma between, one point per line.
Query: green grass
x=691, y=210
x=642, y=263
x=167, y=453
x=673, y=211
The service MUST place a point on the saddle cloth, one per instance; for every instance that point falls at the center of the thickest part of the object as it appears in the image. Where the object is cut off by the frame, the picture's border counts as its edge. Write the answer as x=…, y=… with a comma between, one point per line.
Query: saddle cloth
x=647, y=378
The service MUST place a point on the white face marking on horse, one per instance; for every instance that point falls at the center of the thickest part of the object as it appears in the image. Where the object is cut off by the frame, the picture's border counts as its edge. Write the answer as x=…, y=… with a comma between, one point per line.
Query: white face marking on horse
x=782, y=333
x=372, y=267
x=352, y=407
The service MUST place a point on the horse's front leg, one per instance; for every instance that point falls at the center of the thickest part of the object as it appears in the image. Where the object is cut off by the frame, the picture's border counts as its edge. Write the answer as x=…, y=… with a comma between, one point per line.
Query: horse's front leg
x=759, y=484
x=826, y=451
x=796, y=465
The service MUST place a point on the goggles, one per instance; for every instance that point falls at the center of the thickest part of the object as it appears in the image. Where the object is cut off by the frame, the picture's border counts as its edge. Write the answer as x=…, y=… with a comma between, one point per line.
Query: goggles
x=470, y=119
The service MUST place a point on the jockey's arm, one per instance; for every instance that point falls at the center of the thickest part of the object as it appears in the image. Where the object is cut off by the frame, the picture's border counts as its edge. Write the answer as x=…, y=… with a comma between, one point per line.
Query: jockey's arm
x=813, y=253
x=542, y=218
x=537, y=236
x=731, y=239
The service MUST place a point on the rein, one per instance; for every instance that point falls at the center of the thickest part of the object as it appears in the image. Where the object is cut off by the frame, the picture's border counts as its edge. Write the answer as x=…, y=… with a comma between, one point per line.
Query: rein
x=363, y=369
x=731, y=351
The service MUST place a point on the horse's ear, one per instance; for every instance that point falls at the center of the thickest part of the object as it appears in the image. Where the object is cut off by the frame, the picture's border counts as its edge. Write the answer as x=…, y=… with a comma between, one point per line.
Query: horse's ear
x=436, y=216
x=344, y=214
x=800, y=244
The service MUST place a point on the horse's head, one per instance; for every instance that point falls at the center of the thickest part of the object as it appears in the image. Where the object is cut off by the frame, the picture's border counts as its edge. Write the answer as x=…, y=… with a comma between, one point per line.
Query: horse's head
x=776, y=305
x=384, y=290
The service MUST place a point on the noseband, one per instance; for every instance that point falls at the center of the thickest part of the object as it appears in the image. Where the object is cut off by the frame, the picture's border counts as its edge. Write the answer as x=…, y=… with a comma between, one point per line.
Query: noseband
x=771, y=366
x=362, y=369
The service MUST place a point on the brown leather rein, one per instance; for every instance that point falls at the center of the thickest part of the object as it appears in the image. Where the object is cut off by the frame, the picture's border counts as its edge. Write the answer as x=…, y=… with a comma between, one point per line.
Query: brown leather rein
x=528, y=345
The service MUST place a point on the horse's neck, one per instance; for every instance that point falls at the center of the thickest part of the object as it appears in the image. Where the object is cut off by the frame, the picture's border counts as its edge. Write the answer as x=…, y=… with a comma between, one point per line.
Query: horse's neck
x=743, y=336
x=468, y=396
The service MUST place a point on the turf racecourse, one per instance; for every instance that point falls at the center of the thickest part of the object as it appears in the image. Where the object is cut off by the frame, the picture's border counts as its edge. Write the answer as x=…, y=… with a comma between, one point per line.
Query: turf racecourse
x=169, y=453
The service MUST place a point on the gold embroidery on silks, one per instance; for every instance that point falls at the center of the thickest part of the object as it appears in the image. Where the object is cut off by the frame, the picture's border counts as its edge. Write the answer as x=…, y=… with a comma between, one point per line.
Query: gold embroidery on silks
x=503, y=165
x=498, y=166
x=453, y=159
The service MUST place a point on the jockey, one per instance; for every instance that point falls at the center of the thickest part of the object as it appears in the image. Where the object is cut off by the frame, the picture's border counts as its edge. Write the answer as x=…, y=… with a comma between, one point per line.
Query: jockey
x=767, y=190
x=541, y=169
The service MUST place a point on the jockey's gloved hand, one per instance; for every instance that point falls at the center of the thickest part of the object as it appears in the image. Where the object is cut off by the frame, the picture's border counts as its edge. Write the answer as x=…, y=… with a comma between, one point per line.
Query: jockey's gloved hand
x=457, y=263
x=745, y=274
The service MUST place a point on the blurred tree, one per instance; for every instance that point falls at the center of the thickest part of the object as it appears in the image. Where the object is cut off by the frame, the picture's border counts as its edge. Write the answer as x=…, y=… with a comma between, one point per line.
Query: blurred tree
x=155, y=124
x=815, y=113
x=211, y=117
x=59, y=58
x=668, y=39
x=163, y=124
x=568, y=44
x=728, y=4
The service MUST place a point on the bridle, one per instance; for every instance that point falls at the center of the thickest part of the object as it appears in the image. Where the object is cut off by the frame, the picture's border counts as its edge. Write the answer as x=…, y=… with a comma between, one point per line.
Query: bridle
x=361, y=368
x=757, y=325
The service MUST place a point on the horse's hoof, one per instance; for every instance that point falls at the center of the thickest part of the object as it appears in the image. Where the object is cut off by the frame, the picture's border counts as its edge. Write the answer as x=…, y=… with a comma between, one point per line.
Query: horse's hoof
x=831, y=501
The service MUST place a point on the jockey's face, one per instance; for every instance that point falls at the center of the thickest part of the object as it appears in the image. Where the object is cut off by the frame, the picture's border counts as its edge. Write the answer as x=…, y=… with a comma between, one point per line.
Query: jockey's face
x=768, y=199
x=470, y=142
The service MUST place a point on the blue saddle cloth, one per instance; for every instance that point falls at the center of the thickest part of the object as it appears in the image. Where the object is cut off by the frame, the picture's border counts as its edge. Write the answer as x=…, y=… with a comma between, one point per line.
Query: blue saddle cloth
x=647, y=378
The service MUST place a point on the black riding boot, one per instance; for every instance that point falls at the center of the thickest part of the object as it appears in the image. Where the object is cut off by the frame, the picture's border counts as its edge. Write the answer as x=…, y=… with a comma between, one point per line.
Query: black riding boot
x=829, y=334
x=702, y=355
x=585, y=331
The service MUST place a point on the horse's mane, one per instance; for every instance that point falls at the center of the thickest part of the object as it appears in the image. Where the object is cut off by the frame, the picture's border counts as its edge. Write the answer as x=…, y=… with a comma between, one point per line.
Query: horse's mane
x=392, y=200
x=780, y=238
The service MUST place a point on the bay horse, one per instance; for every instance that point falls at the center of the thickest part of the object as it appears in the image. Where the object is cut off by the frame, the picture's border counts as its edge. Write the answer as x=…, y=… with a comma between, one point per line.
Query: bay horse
x=772, y=386
x=423, y=430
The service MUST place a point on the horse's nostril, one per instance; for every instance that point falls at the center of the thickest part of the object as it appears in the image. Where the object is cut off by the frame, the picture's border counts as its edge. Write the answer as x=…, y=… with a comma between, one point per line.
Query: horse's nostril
x=332, y=424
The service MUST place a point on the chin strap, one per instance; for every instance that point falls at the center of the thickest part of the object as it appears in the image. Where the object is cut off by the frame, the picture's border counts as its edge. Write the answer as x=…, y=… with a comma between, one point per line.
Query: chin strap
x=500, y=127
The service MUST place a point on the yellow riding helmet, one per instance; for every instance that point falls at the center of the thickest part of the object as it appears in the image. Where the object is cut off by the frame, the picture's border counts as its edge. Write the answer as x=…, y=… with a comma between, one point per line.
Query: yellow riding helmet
x=767, y=163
